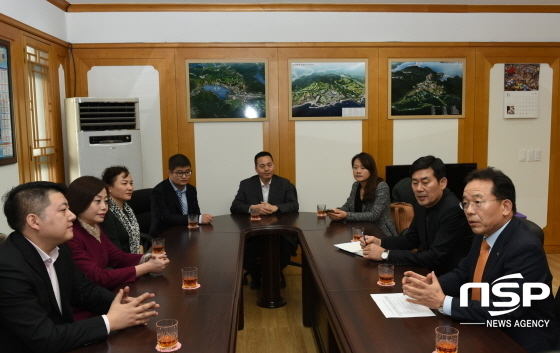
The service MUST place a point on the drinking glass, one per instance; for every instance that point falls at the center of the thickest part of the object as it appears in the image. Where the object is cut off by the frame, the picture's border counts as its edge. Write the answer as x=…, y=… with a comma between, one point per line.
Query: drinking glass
x=167, y=334
x=321, y=210
x=447, y=339
x=255, y=216
x=193, y=221
x=386, y=274
x=357, y=233
x=190, y=277
x=158, y=246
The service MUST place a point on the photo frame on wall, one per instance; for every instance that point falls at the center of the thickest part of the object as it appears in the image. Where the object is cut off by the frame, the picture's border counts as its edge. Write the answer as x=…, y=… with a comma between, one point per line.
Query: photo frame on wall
x=421, y=88
x=328, y=89
x=227, y=90
x=7, y=130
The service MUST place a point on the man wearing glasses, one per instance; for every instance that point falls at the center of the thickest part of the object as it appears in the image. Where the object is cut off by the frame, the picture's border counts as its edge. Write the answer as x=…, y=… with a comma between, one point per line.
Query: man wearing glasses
x=503, y=246
x=174, y=199
x=439, y=229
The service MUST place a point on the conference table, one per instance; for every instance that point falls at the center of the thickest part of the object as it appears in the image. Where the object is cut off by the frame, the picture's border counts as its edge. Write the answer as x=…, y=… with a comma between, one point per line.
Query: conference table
x=336, y=293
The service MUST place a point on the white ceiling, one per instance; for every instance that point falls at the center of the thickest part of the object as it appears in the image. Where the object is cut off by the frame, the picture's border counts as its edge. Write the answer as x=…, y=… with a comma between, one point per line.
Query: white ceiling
x=426, y=2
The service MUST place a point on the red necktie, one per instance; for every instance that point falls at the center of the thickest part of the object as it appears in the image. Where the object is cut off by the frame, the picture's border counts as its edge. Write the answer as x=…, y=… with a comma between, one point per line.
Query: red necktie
x=479, y=269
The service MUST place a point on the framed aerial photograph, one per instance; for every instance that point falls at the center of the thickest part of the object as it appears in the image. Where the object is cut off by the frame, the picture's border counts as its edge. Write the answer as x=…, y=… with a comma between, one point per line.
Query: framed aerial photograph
x=328, y=89
x=426, y=89
x=7, y=135
x=227, y=90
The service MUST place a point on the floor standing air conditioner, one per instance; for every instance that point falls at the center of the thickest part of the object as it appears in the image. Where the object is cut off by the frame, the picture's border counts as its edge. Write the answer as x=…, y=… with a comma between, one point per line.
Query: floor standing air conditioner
x=103, y=132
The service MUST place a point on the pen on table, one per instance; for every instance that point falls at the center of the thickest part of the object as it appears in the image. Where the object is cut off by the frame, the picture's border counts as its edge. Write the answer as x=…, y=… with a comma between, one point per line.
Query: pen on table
x=364, y=238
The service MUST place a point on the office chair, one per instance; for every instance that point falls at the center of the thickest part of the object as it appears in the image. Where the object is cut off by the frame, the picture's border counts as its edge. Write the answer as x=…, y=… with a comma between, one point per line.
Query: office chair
x=2, y=238
x=141, y=204
x=533, y=228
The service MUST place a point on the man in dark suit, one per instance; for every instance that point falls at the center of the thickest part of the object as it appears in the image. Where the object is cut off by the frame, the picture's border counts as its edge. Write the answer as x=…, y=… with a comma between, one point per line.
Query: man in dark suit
x=439, y=229
x=269, y=194
x=503, y=246
x=39, y=282
x=174, y=198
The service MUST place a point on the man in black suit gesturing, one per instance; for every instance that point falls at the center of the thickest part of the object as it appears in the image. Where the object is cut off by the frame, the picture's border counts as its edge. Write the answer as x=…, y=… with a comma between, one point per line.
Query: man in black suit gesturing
x=39, y=282
x=269, y=194
x=503, y=246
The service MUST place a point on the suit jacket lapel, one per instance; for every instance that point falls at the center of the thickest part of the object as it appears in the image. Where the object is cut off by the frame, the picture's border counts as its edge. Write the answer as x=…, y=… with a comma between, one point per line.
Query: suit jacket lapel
x=33, y=258
x=273, y=188
x=498, y=249
x=173, y=195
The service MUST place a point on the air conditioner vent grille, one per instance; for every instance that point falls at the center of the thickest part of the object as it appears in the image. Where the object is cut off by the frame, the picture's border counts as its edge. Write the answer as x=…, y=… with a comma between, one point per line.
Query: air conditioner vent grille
x=100, y=116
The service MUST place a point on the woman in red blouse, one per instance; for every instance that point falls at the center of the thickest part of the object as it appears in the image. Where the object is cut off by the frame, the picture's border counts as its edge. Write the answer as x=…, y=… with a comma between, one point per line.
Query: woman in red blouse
x=94, y=254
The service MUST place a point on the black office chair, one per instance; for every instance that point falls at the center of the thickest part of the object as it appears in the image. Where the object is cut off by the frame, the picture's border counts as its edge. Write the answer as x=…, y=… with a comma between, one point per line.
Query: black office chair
x=2, y=238
x=533, y=228
x=141, y=205
x=402, y=192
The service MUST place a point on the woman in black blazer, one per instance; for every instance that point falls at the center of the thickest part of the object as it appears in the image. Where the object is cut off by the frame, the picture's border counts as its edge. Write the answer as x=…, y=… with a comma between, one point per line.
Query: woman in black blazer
x=369, y=198
x=120, y=224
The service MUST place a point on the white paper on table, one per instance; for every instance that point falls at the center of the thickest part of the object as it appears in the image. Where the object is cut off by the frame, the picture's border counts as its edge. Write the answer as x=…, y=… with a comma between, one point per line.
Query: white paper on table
x=395, y=305
x=353, y=247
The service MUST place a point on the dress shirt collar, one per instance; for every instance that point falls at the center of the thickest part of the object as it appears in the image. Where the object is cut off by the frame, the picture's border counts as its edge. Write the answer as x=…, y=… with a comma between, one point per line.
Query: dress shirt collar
x=175, y=188
x=51, y=258
x=491, y=239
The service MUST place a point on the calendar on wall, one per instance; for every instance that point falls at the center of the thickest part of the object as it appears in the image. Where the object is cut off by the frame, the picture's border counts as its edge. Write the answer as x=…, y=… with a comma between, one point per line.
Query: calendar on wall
x=521, y=90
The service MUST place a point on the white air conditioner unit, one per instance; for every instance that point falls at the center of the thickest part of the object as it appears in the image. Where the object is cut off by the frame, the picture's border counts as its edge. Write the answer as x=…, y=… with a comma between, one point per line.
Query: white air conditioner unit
x=103, y=132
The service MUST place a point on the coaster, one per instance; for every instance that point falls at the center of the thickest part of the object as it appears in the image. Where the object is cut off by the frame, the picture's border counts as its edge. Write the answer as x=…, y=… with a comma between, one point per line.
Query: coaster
x=321, y=215
x=386, y=285
x=191, y=227
x=177, y=346
x=258, y=219
x=197, y=286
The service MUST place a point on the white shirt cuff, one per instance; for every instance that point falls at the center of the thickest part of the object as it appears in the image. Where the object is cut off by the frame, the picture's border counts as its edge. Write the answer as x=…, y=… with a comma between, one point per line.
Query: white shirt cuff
x=447, y=305
x=106, y=323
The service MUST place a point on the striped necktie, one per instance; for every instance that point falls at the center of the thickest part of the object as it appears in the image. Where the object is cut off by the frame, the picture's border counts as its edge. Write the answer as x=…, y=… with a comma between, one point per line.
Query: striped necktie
x=183, y=206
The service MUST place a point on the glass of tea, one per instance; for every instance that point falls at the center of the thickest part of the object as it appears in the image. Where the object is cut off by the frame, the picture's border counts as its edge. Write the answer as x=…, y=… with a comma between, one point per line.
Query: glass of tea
x=447, y=339
x=158, y=246
x=255, y=216
x=321, y=210
x=190, y=277
x=167, y=334
x=357, y=233
x=386, y=274
x=193, y=221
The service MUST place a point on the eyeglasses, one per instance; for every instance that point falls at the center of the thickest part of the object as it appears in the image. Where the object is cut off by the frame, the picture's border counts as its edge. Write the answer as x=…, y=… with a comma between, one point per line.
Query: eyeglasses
x=477, y=204
x=183, y=174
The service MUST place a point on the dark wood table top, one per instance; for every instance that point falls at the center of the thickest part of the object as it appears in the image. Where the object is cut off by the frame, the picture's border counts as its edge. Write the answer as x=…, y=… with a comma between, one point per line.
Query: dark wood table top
x=208, y=316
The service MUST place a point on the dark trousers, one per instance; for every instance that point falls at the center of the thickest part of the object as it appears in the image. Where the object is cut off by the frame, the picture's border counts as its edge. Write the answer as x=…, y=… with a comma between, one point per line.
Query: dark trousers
x=253, y=253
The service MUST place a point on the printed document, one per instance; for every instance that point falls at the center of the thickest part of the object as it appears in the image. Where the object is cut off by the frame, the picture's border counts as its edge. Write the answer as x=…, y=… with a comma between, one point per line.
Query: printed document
x=395, y=305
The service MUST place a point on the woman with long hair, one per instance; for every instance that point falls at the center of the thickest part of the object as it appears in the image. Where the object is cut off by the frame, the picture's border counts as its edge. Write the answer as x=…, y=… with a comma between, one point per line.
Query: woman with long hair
x=369, y=198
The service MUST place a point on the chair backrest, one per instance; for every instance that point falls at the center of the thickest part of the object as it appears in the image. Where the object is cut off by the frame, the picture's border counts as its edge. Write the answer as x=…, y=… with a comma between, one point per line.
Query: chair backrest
x=557, y=304
x=141, y=205
x=402, y=192
x=533, y=228
x=402, y=214
x=2, y=238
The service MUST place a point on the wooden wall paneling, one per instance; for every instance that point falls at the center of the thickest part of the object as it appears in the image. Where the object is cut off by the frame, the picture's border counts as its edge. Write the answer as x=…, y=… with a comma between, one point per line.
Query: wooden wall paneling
x=316, y=52
x=486, y=59
x=271, y=129
x=17, y=65
x=59, y=59
x=466, y=134
x=163, y=60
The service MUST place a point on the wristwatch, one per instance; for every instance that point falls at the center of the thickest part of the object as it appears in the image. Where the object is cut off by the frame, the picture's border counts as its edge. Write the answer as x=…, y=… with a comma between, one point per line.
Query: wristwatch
x=385, y=255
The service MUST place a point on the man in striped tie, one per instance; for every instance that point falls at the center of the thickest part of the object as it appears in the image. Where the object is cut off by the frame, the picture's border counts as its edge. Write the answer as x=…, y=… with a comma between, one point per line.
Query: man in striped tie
x=174, y=198
x=503, y=245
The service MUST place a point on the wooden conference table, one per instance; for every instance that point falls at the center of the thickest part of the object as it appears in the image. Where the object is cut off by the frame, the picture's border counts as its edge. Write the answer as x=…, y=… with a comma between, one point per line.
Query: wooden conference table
x=336, y=289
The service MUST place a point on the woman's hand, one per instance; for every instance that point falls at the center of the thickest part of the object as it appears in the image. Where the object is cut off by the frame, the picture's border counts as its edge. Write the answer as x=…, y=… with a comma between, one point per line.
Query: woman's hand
x=158, y=263
x=337, y=214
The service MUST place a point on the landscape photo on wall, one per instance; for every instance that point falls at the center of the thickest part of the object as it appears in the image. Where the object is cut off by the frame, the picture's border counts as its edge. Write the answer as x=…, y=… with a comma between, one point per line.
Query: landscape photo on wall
x=328, y=89
x=431, y=89
x=226, y=90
